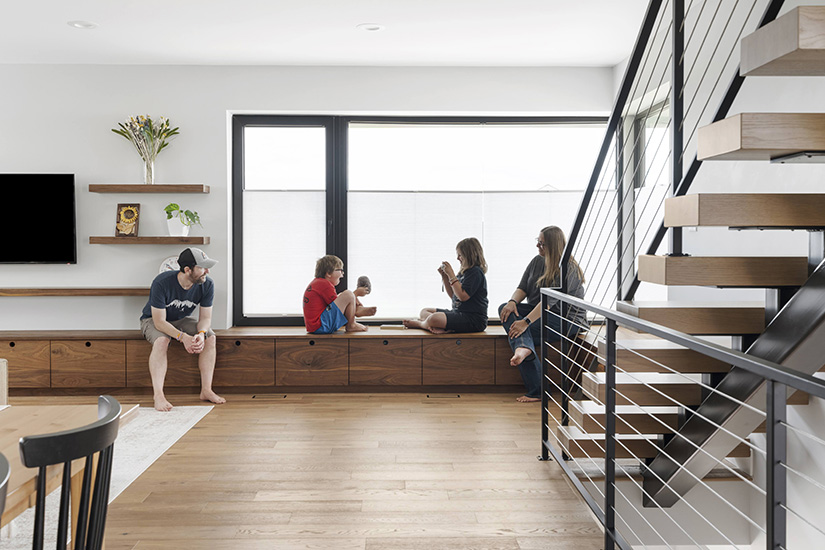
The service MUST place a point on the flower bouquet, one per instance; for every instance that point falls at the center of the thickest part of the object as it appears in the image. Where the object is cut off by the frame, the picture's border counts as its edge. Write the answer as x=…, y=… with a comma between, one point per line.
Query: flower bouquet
x=149, y=138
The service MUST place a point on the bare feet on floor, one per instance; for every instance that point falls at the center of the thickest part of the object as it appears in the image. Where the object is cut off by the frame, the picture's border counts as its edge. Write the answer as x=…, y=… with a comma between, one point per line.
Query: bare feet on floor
x=212, y=397
x=356, y=327
x=162, y=405
x=525, y=399
x=520, y=355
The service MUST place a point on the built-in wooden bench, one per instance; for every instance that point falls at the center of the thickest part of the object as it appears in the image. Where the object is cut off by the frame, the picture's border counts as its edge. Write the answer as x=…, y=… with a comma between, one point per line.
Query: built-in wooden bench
x=261, y=358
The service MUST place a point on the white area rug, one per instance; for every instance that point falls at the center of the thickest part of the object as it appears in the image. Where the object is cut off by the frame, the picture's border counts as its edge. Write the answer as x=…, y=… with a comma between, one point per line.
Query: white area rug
x=139, y=443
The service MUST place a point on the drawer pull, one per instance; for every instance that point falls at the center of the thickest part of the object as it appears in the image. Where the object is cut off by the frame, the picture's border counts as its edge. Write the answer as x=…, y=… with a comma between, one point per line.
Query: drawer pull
x=312, y=342
x=237, y=342
x=458, y=342
x=88, y=344
x=11, y=344
x=386, y=342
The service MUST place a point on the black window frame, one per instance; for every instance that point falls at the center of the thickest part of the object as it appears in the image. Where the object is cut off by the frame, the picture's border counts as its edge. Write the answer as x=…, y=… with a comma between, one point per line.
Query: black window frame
x=336, y=182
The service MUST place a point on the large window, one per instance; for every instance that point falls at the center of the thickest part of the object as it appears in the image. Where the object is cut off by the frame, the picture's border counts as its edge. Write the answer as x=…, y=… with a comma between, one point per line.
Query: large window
x=392, y=198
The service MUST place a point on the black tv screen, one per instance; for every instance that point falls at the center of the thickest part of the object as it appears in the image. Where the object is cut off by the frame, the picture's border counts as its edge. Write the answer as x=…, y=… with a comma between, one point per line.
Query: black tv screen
x=37, y=219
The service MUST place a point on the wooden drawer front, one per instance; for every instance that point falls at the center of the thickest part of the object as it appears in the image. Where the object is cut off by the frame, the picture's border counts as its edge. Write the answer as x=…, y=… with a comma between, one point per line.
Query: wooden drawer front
x=457, y=361
x=506, y=374
x=28, y=362
x=181, y=371
x=245, y=362
x=385, y=362
x=88, y=363
x=311, y=362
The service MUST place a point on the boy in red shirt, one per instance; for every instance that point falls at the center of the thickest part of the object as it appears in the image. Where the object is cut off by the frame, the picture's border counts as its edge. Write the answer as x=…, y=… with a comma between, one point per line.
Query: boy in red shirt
x=325, y=311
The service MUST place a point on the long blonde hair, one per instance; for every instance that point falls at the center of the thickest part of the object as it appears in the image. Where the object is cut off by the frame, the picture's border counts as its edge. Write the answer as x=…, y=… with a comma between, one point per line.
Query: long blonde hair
x=472, y=254
x=554, y=243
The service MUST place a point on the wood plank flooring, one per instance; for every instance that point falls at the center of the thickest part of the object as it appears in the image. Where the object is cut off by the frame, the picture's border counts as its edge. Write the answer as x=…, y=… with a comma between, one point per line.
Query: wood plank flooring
x=354, y=471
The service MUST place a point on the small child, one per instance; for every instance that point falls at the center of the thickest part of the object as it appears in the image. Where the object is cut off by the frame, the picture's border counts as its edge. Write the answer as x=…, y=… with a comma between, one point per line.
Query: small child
x=363, y=288
x=467, y=289
x=325, y=311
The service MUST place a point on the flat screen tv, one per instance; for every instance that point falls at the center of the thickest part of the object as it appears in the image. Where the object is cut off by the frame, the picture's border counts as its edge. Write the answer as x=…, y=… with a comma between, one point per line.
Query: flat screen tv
x=37, y=219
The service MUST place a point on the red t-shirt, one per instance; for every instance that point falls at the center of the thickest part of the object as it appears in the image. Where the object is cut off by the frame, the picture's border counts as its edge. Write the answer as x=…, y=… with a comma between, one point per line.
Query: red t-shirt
x=318, y=295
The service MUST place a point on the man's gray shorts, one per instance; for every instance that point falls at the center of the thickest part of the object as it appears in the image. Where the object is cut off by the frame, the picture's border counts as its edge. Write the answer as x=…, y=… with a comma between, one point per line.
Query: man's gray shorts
x=189, y=325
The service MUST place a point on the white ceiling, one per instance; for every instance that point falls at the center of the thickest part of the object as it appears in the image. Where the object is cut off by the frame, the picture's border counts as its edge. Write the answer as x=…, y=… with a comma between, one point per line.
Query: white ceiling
x=322, y=32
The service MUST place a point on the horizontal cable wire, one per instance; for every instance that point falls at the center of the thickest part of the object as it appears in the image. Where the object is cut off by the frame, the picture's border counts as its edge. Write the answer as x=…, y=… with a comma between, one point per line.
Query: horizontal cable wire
x=721, y=462
x=679, y=404
x=713, y=90
x=807, y=478
x=811, y=525
x=646, y=358
x=810, y=436
x=643, y=65
x=701, y=384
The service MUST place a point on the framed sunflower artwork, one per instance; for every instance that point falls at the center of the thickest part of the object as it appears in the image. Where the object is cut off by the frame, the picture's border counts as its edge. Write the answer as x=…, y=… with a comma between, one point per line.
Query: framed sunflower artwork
x=127, y=220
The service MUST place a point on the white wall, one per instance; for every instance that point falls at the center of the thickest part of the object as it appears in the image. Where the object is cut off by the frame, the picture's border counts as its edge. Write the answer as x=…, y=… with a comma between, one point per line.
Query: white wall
x=57, y=118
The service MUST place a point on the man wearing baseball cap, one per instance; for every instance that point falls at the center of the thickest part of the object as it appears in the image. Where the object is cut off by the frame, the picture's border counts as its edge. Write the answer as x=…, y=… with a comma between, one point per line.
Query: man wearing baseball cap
x=173, y=297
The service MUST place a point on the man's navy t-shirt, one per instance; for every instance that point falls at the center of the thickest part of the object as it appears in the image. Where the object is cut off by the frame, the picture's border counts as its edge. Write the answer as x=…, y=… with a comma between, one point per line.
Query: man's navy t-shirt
x=166, y=293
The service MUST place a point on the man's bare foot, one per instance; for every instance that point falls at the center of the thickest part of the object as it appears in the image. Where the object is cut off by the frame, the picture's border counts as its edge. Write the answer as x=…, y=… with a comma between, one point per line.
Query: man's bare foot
x=520, y=355
x=412, y=323
x=436, y=330
x=212, y=397
x=356, y=327
x=525, y=399
x=162, y=405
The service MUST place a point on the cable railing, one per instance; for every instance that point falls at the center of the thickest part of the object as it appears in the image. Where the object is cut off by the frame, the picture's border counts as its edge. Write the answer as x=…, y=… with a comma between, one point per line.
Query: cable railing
x=602, y=422
x=685, y=62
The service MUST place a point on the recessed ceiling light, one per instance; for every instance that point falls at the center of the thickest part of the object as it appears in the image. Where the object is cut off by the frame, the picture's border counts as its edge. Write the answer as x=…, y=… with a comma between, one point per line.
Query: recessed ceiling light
x=86, y=25
x=371, y=27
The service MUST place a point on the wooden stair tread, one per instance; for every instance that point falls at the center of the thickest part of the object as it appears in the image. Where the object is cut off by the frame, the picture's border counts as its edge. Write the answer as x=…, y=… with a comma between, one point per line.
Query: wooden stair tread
x=661, y=356
x=646, y=389
x=700, y=317
x=629, y=468
x=791, y=45
x=761, y=136
x=724, y=271
x=578, y=444
x=590, y=417
x=780, y=210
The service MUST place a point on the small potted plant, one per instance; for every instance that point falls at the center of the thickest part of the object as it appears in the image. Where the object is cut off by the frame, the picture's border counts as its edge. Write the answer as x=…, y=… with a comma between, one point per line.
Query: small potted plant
x=179, y=220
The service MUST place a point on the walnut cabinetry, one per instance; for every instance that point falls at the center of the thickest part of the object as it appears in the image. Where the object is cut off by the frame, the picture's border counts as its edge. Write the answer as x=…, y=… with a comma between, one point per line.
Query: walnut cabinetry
x=457, y=361
x=89, y=363
x=262, y=357
x=311, y=362
x=245, y=362
x=29, y=362
x=385, y=362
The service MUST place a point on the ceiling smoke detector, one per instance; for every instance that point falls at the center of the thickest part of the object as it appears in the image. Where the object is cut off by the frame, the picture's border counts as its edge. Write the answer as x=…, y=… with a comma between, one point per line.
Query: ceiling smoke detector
x=85, y=25
x=370, y=27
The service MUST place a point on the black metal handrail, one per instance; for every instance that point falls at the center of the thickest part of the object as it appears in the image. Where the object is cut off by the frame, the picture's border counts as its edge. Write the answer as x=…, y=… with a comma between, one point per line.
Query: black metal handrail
x=777, y=377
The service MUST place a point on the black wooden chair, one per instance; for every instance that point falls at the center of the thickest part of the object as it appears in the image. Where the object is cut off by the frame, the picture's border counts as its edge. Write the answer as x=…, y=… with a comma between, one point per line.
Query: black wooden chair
x=40, y=451
x=5, y=472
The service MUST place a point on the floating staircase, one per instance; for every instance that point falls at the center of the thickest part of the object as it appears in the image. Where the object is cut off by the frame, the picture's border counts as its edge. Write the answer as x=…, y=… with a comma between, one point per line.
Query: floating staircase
x=752, y=211
x=724, y=271
x=793, y=45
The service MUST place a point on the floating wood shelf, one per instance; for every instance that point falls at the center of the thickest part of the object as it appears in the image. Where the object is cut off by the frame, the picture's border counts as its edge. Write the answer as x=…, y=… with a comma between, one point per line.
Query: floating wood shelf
x=724, y=271
x=84, y=291
x=792, y=45
x=143, y=188
x=762, y=136
x=149, y=240
x=775, y=210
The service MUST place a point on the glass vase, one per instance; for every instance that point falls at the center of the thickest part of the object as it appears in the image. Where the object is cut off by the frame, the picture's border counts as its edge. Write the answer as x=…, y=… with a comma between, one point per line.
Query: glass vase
x=148, y=172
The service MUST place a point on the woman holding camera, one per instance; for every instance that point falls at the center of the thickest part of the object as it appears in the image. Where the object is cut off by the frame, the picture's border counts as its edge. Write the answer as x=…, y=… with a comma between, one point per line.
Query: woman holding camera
x=467, y=289
x=522, y=319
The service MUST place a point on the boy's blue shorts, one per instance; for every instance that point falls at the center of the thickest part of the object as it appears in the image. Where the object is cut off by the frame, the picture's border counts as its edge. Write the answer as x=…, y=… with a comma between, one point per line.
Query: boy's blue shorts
x=331, y=320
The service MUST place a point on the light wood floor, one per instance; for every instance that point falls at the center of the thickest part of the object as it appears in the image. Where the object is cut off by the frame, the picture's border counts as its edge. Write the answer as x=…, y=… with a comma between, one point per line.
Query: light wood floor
x=354, y=471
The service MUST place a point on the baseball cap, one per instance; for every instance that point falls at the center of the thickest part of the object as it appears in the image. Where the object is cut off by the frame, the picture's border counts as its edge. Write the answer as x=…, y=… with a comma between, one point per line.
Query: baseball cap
x=195, y=256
